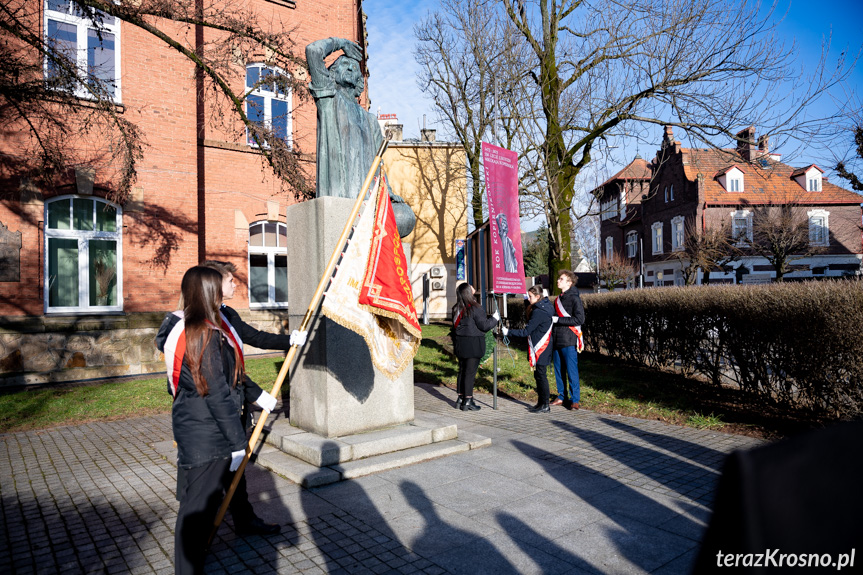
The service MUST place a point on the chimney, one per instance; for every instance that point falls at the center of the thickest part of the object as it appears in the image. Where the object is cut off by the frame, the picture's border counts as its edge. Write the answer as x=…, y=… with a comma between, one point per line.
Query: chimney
x=763, y=145
x=427, y=135
x=393, y=132
x=668, y=138
x=746, y=143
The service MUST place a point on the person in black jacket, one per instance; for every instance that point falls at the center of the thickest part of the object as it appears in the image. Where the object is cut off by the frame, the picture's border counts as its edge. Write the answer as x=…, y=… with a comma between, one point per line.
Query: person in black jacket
x=469, y=326
x=567, y=340
x=538, y=334
x=245, y=520
x=205, y=372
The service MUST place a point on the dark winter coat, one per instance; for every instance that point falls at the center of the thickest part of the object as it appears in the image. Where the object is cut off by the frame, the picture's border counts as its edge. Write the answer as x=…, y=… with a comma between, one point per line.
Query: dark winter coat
x=468, y=337
x=563, y=336
x=207, y=428
x=538, y=325
x=254, y=337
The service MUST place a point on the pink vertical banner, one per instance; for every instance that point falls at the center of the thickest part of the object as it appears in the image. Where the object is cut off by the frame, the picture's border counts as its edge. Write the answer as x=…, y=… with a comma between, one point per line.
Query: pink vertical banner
x=501, y=184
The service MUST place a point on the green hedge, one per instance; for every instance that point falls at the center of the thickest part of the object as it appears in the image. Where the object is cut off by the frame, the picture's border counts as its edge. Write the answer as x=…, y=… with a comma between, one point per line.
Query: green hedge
x=797, y=344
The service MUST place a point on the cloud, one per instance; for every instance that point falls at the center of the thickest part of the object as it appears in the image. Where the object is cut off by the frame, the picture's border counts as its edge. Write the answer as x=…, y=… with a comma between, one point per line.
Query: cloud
x=393, y=70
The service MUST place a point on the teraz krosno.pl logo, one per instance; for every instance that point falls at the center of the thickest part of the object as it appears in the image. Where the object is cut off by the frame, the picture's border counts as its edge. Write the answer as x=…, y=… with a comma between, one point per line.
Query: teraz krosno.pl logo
x=773, y=558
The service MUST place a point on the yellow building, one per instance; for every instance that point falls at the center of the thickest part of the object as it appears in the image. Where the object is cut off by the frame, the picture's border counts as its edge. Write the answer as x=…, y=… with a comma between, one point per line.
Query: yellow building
x=430, y=176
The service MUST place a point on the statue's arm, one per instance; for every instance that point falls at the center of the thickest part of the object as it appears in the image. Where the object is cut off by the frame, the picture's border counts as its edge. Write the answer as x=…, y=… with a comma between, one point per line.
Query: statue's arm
x=323, y=84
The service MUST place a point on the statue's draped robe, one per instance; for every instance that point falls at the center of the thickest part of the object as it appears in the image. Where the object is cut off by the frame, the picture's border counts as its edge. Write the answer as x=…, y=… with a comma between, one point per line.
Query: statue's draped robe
x=348, y=136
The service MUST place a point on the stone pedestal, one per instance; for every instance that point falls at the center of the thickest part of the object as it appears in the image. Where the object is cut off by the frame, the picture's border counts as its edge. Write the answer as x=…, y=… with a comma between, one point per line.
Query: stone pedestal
x=335, y=390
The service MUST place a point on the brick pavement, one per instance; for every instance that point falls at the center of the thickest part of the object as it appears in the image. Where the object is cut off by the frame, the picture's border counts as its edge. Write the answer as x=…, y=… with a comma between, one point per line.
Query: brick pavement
x=569, y=492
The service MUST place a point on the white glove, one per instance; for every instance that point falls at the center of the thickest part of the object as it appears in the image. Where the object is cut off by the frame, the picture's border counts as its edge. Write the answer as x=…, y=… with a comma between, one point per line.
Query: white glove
x=554, y=319
x=237, y=459
x=496, y=316
x=504, y=331
x=266, y=401
x=299, y=337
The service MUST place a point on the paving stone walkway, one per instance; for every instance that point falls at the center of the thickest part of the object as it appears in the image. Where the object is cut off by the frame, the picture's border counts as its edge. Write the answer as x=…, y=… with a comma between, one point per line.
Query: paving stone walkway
x=568, y=492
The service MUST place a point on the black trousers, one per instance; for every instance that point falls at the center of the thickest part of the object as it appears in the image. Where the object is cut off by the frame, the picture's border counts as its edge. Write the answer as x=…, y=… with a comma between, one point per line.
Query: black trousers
x=467, y=367
x=540, y=375
x=200, y=491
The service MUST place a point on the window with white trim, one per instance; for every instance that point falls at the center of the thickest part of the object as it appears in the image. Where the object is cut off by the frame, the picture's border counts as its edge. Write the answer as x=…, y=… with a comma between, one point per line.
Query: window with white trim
x=735, y=184
x=83, y=255
x=609, y=248
x=268, y=265
x=666, y=194
x=623, y=204
x=631, y=244
x=741, y=227
x=93, y=48
x=656, y=229
x=814, y=182
x=819, y=227
x=267, y=102
x=608, y=209
x=677, y=234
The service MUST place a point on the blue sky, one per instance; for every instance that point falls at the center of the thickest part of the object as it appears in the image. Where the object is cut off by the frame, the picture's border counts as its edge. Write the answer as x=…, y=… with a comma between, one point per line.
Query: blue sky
x=393, y=87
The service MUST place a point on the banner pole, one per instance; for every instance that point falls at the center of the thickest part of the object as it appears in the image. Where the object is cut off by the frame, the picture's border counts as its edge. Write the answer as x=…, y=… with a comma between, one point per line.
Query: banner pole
x=313, y=305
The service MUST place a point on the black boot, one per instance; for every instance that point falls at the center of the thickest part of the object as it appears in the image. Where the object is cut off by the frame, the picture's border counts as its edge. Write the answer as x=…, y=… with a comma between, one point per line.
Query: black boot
x=471, y=406
x=543, y=408
x=459, y=402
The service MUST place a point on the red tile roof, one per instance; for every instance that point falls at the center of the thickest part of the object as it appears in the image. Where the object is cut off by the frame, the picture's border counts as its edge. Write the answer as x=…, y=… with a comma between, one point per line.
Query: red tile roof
x=637, y=169
x=766, y=181
x=801, y=171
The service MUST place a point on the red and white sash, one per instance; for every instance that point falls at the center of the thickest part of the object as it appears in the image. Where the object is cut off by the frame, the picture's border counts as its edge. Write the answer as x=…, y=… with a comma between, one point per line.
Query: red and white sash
x=534, y=351
x=459, y=317
x=576, y=329
x=175, y=348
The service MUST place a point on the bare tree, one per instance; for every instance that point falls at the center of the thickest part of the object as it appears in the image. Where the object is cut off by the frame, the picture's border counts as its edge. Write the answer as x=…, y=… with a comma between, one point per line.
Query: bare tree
x=844, y=168
x=781, y=234
x=65, y=114
x=601, y=68
x=463, y=76
x=706, y=249
x=615, y=271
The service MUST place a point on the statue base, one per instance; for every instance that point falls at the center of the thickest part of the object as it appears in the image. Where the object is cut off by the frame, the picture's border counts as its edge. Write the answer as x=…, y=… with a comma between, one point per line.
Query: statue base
x=335, y=390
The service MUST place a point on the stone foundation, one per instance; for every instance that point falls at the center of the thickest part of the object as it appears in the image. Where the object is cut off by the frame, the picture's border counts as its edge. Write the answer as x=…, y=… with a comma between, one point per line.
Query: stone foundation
x=53, y=349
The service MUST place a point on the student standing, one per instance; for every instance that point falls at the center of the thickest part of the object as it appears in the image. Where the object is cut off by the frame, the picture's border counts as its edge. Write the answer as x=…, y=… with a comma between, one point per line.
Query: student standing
x=246, y=522
x=470, y=323
x=206, y=376
x=538, y=333
x=567, y=339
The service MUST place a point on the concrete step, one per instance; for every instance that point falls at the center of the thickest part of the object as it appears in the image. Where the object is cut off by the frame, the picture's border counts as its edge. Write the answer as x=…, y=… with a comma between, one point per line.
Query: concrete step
x=378, y=463
x=296, y=470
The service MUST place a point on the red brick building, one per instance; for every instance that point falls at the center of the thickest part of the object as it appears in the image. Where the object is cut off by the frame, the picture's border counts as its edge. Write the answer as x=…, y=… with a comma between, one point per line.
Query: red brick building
x=85, y=282
x=648, y=208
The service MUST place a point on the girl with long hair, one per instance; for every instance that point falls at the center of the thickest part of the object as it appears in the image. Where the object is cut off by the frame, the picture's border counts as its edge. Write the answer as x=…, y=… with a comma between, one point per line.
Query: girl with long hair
x=470, y=323
x=538, y=333
x=205, y=365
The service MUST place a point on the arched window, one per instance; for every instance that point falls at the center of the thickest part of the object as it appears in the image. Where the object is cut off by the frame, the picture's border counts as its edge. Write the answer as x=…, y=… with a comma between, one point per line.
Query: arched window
x=268, y=265
x=83, y=255
x=267, y=102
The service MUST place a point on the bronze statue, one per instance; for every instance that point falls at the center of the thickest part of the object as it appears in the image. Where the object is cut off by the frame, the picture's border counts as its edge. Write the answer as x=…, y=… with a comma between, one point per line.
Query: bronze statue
x=348, y=135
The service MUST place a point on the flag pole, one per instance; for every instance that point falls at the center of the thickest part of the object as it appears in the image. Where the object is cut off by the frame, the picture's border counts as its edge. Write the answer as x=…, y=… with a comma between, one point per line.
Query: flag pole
x=304, y=325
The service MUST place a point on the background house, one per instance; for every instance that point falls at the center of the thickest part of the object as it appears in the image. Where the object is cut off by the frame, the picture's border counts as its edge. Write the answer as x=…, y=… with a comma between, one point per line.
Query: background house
x=85, y=281
x=690, y=190
x=431, y=177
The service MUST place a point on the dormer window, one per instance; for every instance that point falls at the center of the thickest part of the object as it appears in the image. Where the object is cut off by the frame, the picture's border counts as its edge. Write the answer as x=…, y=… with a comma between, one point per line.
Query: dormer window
x=809, y=178
x=731, y=179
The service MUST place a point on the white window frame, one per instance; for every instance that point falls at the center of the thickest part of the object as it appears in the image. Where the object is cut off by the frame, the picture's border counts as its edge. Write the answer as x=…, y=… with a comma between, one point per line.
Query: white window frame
x=623, y=204
x=656, y=237
x=631, y=244
x=609, y=248
x=824, y=227
x=83, y=237
x=735, y=235
x=677, y=233
x=813, y=182
x=83, y=25
x=735, y=184
x=269, y=96
x=271, y=252
x=666, y=194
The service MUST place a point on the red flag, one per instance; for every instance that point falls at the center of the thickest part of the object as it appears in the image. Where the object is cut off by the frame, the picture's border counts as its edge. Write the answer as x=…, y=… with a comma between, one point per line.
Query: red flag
x=386, y=288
